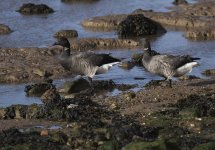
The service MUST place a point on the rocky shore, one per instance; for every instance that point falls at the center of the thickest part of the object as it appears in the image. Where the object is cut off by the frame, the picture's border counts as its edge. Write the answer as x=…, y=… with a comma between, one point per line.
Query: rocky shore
x=181, y=117
x=78, y=115
x=198, y=17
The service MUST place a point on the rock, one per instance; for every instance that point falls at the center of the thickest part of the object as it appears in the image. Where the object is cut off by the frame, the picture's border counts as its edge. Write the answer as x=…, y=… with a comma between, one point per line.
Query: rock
x=209, y=72
x=201, y=34
x=30, y=8
x=102, y=43
x=75, y=86
x=66, y=33
x=188, y=77
x=50, y=95
x=179, y=2
x=15, y=112
x=38, y=89
x=4, y=29
x=126, y=65
x=138, y=25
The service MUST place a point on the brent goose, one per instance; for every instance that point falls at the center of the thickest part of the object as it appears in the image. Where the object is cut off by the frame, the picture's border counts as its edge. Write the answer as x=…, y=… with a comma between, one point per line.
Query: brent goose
x=84, y=63
x=167, y=66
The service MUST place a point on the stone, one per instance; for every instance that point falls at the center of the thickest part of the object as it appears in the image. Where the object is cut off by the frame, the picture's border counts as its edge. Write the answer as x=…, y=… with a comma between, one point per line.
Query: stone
x=137, y=25
x=66, y=33
x=126, y=65
x=30, y=8
x=4, y=29
x=179, y=2
x=200, y=34
x=38, y=89
x=75, y=86
x=209, y=72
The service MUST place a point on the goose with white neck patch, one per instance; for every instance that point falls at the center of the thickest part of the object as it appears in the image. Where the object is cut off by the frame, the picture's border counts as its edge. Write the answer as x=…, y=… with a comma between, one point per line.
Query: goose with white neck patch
x=85, y=63
x=167, y=66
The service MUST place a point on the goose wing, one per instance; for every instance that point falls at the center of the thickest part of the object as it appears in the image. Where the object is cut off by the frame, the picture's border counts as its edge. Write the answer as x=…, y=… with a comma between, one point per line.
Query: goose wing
x=96, y=59
x=173, y=61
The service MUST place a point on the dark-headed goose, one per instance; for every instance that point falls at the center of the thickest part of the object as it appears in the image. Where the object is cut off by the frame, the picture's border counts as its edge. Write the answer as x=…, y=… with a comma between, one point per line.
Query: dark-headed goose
x=84, y=63
x=167, y=66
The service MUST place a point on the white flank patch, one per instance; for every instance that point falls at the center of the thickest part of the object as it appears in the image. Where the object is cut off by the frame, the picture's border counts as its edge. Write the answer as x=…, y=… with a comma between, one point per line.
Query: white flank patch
x=186, y=68
x=104, y=68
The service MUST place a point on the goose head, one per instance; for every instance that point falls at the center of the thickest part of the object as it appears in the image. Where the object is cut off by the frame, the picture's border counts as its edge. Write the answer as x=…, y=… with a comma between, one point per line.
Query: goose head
x=145, y=44
x=65, y=44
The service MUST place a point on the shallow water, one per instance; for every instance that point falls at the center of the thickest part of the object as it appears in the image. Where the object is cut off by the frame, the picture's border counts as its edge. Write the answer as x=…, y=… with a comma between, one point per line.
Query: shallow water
x=31, y=31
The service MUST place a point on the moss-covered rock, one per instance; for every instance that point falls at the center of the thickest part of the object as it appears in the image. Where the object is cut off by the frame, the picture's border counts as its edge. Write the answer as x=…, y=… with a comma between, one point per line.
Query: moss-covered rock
x=138, y=25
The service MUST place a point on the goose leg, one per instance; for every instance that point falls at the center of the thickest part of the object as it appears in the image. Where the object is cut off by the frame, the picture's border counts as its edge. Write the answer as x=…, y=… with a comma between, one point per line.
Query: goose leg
x=170, y=83
x=91, y=84
x=91, y=81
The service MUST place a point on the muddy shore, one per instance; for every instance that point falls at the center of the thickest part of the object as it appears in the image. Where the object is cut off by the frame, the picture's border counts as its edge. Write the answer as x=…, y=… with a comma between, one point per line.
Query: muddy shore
x=182, y=116
x=156, y=117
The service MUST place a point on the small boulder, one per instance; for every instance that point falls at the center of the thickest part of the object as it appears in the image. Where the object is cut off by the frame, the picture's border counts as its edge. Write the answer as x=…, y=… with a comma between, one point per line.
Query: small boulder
x=38, y=89
x=180, y=2
x=66, y=33
x=137, y=25
x=75, y=86
x=4, y=29
x=30, y=9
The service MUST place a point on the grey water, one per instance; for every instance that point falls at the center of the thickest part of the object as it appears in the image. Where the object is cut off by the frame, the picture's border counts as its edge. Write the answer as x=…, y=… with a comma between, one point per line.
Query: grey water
x=38, y=31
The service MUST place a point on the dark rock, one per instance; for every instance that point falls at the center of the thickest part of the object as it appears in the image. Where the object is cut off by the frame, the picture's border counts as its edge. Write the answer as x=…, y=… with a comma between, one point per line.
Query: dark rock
x=15, y=111
x=31, y=8
x=75, y=86
x=4, y=29
x=66, y=33
x=50, y=95
x=179, y=2
x=38, y=89
x=31, y=139
x=138, y=25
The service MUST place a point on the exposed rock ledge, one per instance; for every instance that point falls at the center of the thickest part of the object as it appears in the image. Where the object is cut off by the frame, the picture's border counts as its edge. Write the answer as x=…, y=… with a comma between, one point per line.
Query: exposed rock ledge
x=100, y=43
x=19, y=65
x=199, y=15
